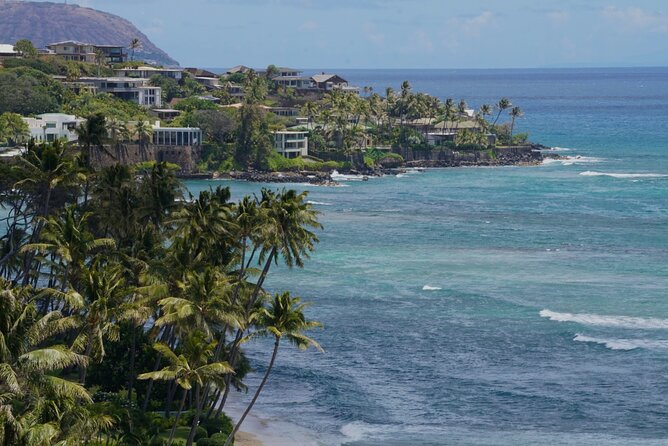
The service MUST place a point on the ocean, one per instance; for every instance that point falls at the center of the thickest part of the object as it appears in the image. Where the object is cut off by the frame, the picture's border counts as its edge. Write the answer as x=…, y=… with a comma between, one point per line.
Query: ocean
x=491, y=306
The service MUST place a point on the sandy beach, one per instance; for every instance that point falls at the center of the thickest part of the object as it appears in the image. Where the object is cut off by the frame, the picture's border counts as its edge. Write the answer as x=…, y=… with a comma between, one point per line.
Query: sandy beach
x=247, y=439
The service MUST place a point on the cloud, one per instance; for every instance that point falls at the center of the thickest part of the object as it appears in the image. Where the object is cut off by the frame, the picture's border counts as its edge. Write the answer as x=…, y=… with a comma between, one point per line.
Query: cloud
x=372, y=34
x=558, y=17
x=309, y=25
x=472, y=25
x=636, y=19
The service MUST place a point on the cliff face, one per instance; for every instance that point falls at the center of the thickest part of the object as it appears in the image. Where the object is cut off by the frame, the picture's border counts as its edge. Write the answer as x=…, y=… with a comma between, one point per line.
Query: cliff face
x=45, y=22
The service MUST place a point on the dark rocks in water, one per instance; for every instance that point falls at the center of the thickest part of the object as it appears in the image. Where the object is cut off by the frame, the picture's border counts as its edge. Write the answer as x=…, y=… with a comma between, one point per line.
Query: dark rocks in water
x=319, y=178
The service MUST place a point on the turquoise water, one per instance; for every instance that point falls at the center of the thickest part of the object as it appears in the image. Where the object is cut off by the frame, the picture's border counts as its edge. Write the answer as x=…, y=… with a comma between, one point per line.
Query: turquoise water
x=486, y=306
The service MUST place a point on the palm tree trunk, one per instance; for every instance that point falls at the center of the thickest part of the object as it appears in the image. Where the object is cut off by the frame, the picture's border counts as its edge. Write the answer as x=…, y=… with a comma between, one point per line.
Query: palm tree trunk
x=133, y=352
x=198, y=411
x=235, y=345
x=176, y=420
x=257, y=393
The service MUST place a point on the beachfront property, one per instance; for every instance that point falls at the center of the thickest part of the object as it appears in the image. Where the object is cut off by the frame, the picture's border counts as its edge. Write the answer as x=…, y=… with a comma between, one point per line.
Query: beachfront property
x=147, y=72
x=176, y=136
x=87, y=52
x=132, y=89
x=439, y=132
x=288, y=112
x=235, y=90
x=291, y=144
x=49, y=127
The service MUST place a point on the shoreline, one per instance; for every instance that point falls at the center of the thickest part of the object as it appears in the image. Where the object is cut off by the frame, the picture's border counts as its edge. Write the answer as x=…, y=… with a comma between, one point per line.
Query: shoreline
x=525, y=156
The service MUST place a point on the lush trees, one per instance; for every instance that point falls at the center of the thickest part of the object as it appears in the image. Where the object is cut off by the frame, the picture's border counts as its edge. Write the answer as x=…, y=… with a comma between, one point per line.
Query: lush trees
x=13, y=129
x=80, y=265
x=26, y=48
x=27, y=91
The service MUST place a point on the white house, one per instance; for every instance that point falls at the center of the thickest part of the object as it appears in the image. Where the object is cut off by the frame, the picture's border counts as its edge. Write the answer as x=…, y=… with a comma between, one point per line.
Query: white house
x=176, y=136
x=291, y=144
x=147, y=72
x=128, y=88
x=49, y=127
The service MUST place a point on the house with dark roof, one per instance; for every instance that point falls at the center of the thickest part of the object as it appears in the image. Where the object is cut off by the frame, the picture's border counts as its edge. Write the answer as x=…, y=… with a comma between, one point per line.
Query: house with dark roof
x=87, y=52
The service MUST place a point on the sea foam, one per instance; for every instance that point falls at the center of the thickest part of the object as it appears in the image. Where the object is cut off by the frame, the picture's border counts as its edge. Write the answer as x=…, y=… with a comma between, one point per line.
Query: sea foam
x=631, y=322
x=431, y=288
x=571, y=160
x=319, y=203
x=624, y=344
x=590, y=173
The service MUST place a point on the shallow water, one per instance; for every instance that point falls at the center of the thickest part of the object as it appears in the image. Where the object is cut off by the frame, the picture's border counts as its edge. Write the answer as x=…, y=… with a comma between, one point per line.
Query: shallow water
x=485, y=306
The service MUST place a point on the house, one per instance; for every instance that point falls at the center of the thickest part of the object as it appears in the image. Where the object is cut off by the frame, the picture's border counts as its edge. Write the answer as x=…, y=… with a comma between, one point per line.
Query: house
x=147, y=72
x=328, y=82
x=199, y=72
x=7, y=51
x=300, y=82
x=285, y=111
x=291, y=144
x=176, y=136
x=87, y=52
x=235, y=90
x=166, y=114
x=288, y=72
x=238, y=69
x=49, y=127
x=132, y=89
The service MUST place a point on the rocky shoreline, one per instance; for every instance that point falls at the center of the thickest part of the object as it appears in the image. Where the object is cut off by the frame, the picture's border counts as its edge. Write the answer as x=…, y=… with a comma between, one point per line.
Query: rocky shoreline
x=531, y=155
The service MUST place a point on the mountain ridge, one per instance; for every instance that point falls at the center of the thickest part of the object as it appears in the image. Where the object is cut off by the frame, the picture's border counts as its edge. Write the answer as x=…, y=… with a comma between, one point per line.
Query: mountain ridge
x=58, y=22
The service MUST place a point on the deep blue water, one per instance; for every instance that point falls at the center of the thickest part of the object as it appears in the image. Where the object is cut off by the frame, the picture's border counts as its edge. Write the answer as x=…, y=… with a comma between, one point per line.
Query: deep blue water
x=547, y=318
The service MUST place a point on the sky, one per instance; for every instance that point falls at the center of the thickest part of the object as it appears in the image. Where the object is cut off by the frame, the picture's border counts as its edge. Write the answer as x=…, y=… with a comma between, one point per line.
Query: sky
x=403, y=33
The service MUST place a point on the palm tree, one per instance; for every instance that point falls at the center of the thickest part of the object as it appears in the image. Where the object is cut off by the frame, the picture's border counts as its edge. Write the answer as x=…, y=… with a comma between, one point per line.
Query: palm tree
x=34, y=400
x=99, y=60
x=143, y=131
x=104, y=291
x=190, y=370
x=310, y=110
x=287, y=221
x=503, y=104
x=515, y=113
x=93, y=132
x=283, y=319
x=135, y=44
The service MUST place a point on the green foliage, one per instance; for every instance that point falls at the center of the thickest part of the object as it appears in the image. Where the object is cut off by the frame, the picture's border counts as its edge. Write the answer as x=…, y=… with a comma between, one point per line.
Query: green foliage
x=278, y=163
x=86, y=104
x=28, y=92
x=215, y=440
x=26, y=48
x=254, y=139
x=170, y=87
x=13, y=128
x=222, y=425
x=191, y=104
x=237, y=78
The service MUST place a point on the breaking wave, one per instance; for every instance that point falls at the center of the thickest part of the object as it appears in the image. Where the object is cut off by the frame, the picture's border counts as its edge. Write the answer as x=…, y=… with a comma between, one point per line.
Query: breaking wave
x=590, y=173
x=632, y=322
x=624, y=344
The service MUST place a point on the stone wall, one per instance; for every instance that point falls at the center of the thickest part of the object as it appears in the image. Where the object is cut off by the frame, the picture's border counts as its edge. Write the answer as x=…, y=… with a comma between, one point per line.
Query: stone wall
x=185, y=157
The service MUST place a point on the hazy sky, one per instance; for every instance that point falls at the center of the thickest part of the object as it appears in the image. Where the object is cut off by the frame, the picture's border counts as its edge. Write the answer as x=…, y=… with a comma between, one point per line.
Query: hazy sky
x=403, y=33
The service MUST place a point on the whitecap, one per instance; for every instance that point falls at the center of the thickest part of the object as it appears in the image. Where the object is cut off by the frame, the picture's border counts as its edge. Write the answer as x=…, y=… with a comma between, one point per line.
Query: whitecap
x=560, y=149
x=319, y=203
x=336, y=176
x=358, y=430
x=624, y=344
x=631, y=322
x=571, y=160
x=400, y=175
x=431, y=288
x=590, y=173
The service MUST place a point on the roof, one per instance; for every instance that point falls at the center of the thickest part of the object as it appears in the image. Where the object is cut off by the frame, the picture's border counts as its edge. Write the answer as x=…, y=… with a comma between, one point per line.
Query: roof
x=76, y=42
x=7, y=49
x=324, y=77
x=288, y=69
x=147, y=68
x=291, y=78
x=199, y=72
x=238, y=69
x=114, y=79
